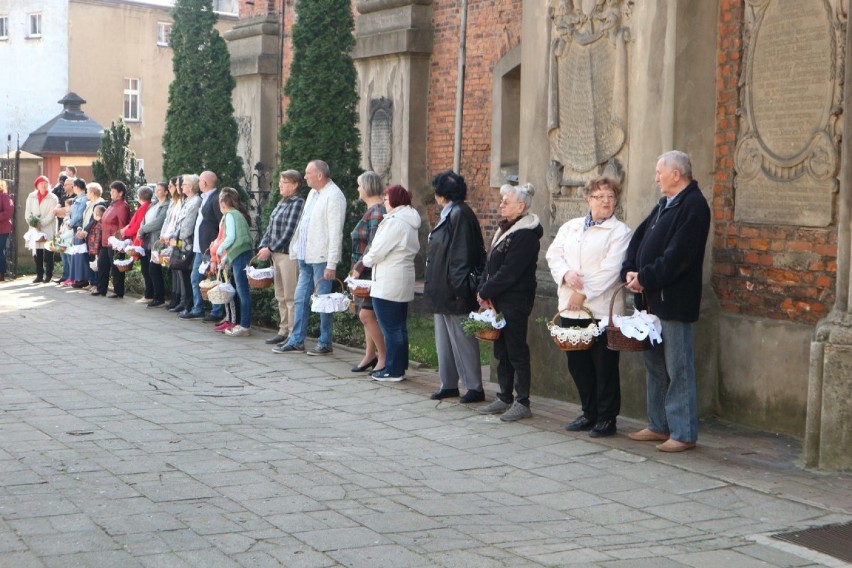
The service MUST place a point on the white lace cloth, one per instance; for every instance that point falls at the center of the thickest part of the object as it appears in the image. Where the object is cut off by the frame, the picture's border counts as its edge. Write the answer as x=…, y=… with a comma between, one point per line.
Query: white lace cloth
x=31, y=237
x=135, y=249
x=354, y=283
x=329, y=303
x=488, y=316
x=124, y=262
x=77, y=249
x=575, y=335
x=260, y=273
x=639, y=326
x=118, y=244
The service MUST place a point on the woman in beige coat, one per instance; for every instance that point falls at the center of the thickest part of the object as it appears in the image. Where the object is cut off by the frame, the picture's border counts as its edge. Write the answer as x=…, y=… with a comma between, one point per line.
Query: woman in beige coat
x=41, y=204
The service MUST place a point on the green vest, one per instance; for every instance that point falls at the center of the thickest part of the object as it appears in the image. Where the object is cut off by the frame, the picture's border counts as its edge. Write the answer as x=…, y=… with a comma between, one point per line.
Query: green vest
x=242, y=240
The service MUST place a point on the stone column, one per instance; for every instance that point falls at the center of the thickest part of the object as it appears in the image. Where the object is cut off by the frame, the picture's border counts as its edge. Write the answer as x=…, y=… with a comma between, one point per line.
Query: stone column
x=393, y=45
x=828, y=427
x=256, y=67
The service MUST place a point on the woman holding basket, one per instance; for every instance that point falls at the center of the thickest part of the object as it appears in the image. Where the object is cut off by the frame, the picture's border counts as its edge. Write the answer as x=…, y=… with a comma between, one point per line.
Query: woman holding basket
x=236, y=251
x=585, y=260
x=391, y=256
x=509, y=288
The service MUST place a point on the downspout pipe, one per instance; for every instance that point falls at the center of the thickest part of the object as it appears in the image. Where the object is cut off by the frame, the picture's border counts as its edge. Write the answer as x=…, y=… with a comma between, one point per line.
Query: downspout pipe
x=460, y=88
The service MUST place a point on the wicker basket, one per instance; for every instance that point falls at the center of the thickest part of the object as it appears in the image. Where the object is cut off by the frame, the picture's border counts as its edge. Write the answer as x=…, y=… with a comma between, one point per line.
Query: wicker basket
x=329, y=303
x=124, y=267
x=205, y=285
x=488, y=334
x=616, y=340
x=216, y=294
x=258, y=283
x=576, y=340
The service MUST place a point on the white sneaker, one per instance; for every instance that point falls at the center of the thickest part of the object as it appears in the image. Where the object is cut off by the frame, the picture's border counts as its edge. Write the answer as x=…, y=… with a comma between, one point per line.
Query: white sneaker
x=238, y=331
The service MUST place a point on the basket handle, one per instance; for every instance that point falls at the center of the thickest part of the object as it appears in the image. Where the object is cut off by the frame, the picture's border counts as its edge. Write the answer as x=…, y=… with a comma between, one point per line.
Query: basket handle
x=342, y=287
x=612, y=301
x=582, y=309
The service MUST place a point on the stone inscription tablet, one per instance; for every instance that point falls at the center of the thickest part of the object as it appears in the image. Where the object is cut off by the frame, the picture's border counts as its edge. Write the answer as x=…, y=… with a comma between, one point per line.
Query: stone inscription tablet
x=787, y=158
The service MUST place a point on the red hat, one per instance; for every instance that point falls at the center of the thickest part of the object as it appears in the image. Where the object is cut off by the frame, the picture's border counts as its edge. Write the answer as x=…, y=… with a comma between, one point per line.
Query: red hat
x=40, y=179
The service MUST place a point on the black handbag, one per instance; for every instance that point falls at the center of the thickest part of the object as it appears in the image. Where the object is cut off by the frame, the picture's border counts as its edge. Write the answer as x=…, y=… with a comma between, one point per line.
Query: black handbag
x=182, y=257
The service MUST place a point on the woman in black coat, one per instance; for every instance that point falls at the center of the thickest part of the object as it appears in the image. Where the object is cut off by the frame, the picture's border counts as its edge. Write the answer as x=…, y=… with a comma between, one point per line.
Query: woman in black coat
x=455, y=258
x=509, y=288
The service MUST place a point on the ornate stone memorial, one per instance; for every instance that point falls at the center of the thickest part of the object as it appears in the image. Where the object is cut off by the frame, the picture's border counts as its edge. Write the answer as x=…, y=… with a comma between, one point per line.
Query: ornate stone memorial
x=787, y=153
x=587, y=96
x=380, y=136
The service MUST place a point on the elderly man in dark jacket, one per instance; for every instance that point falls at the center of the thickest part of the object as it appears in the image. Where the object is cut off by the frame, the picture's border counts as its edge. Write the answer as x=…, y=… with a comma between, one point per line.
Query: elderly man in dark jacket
x=456, y=256
x=663, y=267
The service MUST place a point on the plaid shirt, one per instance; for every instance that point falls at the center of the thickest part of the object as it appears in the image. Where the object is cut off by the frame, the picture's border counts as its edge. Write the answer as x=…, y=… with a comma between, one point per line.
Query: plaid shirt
x=282, y=224
x=93, y=240
x=363, y=234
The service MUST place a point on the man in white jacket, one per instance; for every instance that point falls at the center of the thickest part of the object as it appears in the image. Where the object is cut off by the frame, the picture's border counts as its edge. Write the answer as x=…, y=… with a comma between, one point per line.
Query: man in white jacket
x=316, y=245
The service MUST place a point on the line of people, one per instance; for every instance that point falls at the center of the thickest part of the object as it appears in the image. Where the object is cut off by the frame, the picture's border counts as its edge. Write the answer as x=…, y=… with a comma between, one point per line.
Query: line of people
x=589, y=259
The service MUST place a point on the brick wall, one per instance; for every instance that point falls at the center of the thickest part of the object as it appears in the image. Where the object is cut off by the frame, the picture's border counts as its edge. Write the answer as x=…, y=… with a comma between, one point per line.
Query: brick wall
x=778, y=272
x=493, y=29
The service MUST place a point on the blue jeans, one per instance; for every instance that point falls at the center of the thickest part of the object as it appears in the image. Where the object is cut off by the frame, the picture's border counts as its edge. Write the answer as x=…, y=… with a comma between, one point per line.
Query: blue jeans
x=197, y=300
x=309, y=275
x=671, y=388
x=242, y=286
x=393, y=319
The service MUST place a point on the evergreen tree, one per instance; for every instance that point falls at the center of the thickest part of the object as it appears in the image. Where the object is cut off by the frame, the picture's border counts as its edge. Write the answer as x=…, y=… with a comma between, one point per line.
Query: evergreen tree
x=116, y=161
x=201, y=132
x=322, y=116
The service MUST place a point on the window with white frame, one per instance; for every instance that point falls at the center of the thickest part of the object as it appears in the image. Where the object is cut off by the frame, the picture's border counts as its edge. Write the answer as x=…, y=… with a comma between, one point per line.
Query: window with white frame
x=164, y=30
x=132, y=100
x=4, y=27
x=35, y=25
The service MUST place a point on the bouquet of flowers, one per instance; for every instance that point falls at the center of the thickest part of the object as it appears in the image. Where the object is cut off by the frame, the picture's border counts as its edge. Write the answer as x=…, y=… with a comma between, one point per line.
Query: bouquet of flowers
x=484, y=325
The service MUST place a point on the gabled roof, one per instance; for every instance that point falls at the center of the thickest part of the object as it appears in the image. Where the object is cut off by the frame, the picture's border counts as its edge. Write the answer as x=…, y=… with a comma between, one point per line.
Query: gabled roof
x=70, y=132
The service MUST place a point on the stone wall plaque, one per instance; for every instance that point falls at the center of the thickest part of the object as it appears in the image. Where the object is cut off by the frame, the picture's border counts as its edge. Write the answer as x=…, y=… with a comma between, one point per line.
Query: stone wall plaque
x=787, y=154
x=587, y=92
x=380, y=136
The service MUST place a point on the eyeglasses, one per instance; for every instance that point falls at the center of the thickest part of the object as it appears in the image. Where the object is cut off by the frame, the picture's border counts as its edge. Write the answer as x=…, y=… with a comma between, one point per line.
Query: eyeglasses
x=605, y=197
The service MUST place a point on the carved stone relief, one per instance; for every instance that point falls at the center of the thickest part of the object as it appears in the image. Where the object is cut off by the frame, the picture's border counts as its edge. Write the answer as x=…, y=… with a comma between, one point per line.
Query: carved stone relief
x=788, y=148
x=587, y=96
x=380, y=136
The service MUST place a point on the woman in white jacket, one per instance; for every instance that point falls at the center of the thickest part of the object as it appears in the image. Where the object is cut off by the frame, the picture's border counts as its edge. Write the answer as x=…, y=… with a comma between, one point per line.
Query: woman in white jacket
x=391, y=256
x=585, y=259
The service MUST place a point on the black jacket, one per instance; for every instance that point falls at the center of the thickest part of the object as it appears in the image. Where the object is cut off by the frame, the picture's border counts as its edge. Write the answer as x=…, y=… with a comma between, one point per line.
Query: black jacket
x=454, y=261
x=667, y=250
x=209, y=228
x=510, y=270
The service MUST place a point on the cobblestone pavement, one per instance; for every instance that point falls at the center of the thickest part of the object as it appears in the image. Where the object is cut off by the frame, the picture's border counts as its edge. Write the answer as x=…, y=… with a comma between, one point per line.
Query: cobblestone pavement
x=130, y=438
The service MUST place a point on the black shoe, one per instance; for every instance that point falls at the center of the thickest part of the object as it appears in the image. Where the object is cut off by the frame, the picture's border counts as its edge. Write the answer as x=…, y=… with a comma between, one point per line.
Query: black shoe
x=370, y=365
x=444, y=393
x=581, y=423
x=38, y=280
x=178, y=309
x=276, y=340
x=189, y=316
x=210, y=318
x=472, y=396
x=80, y=284
x=155, y=303
x=603, y=428
x=114, y=295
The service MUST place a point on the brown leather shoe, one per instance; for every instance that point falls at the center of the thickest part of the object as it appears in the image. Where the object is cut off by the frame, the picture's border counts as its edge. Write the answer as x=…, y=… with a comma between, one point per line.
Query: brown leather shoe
x=672, y=445
x=646, y=435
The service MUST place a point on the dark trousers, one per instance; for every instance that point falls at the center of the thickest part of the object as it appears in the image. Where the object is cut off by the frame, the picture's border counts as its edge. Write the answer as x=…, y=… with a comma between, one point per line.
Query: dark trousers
x=145, y=266
x=177, y=298
x=595, y=372
x=3, y=239
x=513, y=356
x=44, y=264
x=158, y=288
x=106, y=268
x=393, y=321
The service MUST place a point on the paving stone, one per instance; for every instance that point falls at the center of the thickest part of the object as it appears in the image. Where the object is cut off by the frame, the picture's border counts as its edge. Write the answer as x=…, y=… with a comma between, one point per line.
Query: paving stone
x=370, y=557
x=720, y=559
x=340, y=538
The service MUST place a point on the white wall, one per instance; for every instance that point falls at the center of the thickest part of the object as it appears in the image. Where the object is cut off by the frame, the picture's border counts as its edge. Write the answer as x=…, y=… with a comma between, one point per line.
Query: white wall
x=34, y=71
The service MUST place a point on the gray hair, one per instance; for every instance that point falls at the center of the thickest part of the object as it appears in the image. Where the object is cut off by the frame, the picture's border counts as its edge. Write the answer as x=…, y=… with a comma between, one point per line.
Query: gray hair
x=322, y=168
x=292, y=175
x=193, y=181
x=677, y=160
x=144, y=193
x=371, y=183
x=523, y=193
x=95, y=188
